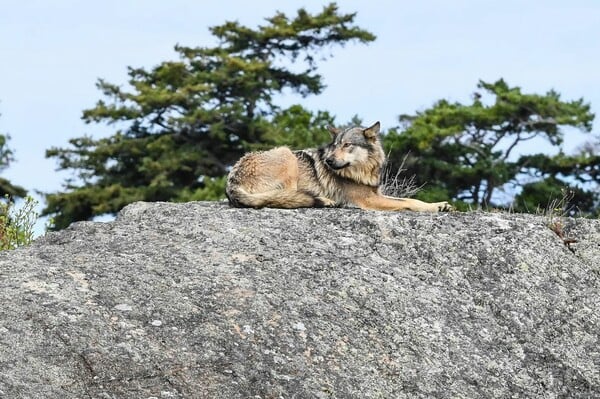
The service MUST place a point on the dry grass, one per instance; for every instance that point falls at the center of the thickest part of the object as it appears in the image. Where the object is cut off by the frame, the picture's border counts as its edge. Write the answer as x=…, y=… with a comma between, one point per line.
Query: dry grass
x=395, y=185
x=555, y=214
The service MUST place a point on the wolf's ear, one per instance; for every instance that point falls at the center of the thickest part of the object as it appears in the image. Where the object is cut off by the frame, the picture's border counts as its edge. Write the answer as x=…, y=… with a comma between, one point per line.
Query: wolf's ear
x=372, y=132
x=333, y=131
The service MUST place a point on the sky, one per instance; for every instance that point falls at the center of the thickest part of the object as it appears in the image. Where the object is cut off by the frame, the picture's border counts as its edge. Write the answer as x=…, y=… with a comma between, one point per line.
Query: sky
x=52, y=53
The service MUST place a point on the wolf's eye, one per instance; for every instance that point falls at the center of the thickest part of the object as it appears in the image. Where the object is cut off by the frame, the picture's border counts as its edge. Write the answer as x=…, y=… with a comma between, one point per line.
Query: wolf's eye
x=347, y=145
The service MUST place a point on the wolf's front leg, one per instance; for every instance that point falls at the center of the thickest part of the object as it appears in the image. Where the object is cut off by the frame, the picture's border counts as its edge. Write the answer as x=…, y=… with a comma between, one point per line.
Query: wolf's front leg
x=422, y=206
x=385, y=203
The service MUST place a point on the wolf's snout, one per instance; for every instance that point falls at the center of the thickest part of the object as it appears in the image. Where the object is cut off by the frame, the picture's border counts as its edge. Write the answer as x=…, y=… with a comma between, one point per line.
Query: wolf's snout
x=336, y=164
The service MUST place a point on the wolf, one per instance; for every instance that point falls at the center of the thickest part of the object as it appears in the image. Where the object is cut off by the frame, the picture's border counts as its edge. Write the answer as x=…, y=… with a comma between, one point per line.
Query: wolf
x=346, y=172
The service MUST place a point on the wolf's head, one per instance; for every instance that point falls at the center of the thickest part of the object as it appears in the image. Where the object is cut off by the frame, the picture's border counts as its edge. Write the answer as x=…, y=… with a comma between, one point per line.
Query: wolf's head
x=352, y=146
x=356, y=153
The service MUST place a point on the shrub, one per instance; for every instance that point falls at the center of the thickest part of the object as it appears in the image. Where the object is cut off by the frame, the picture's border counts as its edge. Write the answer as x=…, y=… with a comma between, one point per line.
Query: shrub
x=16, y=224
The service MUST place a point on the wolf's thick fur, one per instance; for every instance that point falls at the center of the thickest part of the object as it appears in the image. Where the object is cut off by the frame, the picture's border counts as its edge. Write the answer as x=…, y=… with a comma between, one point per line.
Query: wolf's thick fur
x=345, y=172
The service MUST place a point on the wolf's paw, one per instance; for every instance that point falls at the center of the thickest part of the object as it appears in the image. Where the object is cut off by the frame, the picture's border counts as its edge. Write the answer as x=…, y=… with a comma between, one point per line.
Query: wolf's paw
x=324, y=202
x=443, y=206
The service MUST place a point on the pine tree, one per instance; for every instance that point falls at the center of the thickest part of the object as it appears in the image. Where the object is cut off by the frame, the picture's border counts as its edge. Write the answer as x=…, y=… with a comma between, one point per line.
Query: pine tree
x=467, y=152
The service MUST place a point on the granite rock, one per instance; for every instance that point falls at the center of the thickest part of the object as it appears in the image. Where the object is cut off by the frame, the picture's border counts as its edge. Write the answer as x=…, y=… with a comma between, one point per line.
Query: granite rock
x=200, y=300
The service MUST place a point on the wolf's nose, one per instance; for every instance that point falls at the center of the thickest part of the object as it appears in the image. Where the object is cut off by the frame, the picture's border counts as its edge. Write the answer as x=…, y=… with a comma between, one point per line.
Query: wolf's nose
x=330, y=161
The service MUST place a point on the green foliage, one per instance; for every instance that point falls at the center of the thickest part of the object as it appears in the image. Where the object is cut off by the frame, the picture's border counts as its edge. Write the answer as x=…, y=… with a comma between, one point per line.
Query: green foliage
x=543, y=194
x=465, y=151
x=582, y=167
x=563, y=173
x=183, y=123
x=297, y=128
x=6, y=158
x=213, y=190
x=16, y=224
x=6, y=154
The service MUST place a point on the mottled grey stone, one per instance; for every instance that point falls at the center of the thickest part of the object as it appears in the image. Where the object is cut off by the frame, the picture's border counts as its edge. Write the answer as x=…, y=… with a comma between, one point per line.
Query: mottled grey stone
x=200, y=300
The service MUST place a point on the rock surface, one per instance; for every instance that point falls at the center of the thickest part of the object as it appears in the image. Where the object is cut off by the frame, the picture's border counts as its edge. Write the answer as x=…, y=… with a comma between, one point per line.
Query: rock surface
x=200, y=300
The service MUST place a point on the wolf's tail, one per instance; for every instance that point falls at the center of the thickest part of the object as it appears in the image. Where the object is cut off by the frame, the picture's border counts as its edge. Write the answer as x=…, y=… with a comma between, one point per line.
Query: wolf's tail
x=278, y=198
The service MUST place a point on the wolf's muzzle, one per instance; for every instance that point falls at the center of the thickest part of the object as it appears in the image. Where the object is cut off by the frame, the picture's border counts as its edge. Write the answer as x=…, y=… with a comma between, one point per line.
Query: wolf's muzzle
x=333, y=164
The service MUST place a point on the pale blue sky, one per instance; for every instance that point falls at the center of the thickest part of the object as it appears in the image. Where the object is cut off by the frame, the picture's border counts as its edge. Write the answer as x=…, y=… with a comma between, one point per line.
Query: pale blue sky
x=53, y=52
